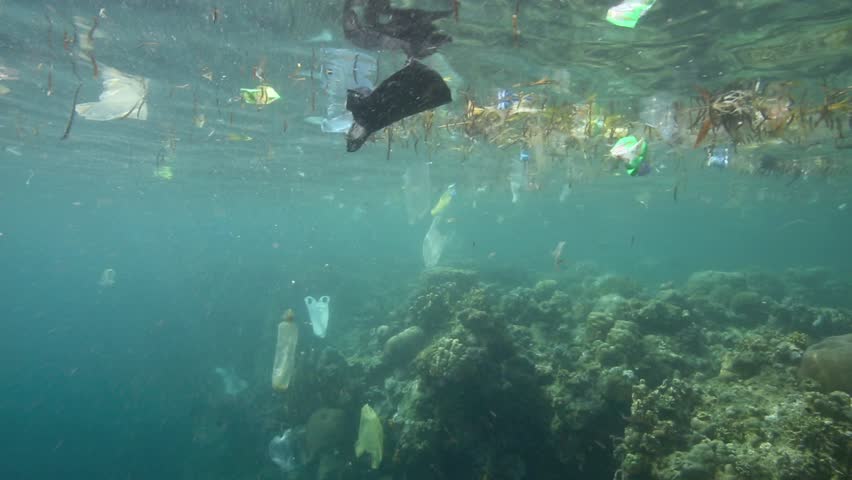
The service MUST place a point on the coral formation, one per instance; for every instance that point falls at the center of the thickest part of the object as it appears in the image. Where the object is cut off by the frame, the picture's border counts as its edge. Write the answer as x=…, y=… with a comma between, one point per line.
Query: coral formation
x=829, y=363
x=589, y=376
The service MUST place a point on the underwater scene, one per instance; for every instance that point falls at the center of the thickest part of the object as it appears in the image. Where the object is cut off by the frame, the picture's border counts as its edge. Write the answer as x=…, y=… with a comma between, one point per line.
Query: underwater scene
x=426, y=239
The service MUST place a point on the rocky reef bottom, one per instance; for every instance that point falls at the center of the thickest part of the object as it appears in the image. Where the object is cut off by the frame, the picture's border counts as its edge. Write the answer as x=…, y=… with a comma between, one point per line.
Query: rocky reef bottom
x=732, y=375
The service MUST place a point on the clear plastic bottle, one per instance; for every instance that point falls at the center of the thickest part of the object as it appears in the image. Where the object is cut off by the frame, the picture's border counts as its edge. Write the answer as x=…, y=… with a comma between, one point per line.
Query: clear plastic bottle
x=285, y=352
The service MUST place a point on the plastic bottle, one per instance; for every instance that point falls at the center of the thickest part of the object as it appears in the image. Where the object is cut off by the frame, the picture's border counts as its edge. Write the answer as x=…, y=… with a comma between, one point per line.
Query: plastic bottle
x=285, y=352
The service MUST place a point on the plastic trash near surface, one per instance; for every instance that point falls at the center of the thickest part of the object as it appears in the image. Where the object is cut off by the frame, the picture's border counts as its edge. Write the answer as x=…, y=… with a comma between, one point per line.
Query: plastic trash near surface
x=444, y=201
x=634, y=152
x=341, y=70
x=658, y=112
x=284, y=364
x=318, y=311
x=627, y=13
x=719, y=156
x=417, y=187
x=124, y=97
x=287, y=450
x=434, y=243
x=519, y=174
x=506, y=99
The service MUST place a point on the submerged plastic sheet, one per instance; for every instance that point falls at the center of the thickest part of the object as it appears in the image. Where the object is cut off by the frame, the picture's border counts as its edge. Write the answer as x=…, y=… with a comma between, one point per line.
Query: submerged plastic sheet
x=434, y=243
x=286, y=449
x=417, y=186
x=342, y=70
x=124, y=96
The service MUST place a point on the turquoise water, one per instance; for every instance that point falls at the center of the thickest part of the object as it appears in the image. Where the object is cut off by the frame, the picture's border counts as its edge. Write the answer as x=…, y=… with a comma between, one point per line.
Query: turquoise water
x=117, y=381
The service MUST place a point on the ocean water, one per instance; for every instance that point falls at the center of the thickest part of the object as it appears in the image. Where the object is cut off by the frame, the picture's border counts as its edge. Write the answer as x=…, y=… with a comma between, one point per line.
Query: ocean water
x=116, y=379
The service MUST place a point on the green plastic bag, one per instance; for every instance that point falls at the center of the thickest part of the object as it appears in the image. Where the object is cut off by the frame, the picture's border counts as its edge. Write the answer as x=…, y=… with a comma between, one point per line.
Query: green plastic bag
x=627, y=13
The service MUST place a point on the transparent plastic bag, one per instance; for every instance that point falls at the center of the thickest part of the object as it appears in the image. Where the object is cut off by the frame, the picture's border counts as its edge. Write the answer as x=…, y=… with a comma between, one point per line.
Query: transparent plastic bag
x=341, y=70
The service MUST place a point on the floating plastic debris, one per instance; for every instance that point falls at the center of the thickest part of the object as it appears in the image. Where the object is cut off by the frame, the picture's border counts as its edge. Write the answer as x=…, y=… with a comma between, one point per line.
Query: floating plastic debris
x=322, y=37
x=565, y=192
x=633, y=152
x=107, y=278
x=124, y=96
x=284, y=364
x=164, y=171
x=627, y=13
x=434, y=243
x=7, y=73
x=231, y=382
x=658, y=112
x=444, y=201
x=286, y=450
x=718, y=157
x=318, y=312
x=262, y=95
x=371, y=436
x=343, y=70
x=519, y=175
x=506, y=99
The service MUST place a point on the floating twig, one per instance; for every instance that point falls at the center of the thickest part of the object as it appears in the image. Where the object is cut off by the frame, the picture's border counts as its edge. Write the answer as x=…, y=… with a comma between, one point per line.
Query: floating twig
x=92, y=30
x=94, y=63
x=390, y=139
x=73, y=113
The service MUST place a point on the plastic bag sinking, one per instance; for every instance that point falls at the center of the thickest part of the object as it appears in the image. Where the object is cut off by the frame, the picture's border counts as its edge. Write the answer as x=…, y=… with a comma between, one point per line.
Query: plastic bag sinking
x=124, y=96
x=434, y=243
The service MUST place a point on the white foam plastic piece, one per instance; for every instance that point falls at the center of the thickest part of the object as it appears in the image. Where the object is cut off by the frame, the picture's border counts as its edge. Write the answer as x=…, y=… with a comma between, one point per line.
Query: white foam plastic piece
x=318, y=311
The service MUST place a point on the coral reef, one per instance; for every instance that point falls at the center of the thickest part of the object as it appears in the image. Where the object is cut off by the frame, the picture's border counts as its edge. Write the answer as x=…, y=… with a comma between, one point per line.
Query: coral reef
x=589, y=376
x=829, y=363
